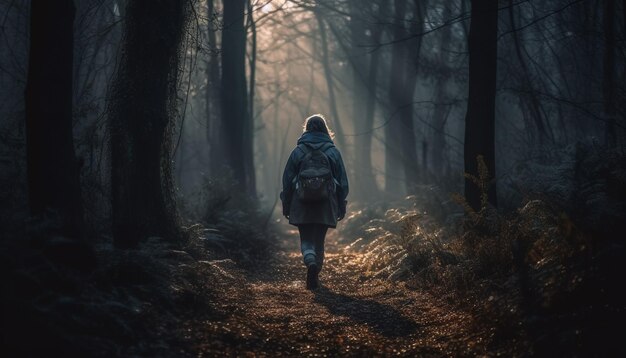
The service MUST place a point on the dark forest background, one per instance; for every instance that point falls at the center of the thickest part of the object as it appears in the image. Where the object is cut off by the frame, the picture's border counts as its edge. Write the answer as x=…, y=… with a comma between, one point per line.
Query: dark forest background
x=484, y=139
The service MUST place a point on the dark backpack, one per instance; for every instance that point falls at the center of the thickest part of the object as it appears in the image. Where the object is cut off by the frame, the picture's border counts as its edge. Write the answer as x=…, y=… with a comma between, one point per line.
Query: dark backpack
x=315, y=178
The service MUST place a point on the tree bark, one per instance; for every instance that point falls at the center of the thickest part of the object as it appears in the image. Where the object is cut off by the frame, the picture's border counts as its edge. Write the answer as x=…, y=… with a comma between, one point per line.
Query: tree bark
x=394, y=185
x=401, y=163
x=338, y=128
x=249, y=141
x=364, y=82
x=411, y=63
x=236, y=122
x=442, y=110
x=213, y=110
x=480, y=116
x=143, y=108
x=252, y=59
x=52, y=168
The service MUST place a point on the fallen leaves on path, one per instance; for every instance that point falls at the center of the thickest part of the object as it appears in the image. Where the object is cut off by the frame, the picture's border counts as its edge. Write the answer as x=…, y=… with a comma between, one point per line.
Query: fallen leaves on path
x=266, y=310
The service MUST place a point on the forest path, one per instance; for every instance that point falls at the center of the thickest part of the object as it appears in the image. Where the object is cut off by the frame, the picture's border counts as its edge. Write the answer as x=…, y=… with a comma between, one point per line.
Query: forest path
x=266, y=310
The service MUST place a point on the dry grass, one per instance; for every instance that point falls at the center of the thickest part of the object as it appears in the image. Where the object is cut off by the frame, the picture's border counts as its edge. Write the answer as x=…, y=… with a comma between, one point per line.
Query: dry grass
x=531, y=275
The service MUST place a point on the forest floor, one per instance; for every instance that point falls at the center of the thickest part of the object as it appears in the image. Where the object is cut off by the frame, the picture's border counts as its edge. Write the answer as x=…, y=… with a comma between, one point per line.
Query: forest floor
x=264, y=309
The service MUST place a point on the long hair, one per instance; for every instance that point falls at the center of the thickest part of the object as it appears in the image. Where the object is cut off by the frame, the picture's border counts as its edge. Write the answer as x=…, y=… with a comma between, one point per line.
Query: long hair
x=317, y=123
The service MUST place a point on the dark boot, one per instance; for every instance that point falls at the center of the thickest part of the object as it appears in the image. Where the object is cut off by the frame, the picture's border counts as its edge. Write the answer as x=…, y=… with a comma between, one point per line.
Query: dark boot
x=311, y=277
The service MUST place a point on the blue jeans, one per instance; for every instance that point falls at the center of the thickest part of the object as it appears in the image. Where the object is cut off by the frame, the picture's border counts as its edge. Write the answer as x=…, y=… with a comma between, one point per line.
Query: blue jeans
x=312, y=243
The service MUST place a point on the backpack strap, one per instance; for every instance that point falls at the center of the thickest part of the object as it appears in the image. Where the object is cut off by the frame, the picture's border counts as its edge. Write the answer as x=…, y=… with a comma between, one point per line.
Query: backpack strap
x=323, y=149
x=306, y=149
x=326, y=147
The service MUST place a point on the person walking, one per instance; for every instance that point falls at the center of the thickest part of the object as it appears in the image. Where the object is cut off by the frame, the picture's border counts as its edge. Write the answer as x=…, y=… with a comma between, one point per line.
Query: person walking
x=315, y=187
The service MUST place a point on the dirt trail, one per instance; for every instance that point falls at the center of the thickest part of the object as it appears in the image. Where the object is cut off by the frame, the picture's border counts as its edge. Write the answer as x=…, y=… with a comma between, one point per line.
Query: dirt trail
x=268, y=311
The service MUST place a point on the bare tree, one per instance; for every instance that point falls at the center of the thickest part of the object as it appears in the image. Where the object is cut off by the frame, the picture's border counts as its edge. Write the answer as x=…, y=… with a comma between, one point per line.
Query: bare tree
x=364, y=36
x=442, y=110
x=527, y=96
x=401, y=165
x=142, y=112
x=332, y=101
x=237, y=126
x=53, y=172
x=213, y=109
x=480, y=116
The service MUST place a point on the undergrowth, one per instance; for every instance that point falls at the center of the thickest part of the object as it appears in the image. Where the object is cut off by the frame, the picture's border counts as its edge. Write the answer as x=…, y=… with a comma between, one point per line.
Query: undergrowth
x=533, y=274
x=64, y=297
x=225, y=221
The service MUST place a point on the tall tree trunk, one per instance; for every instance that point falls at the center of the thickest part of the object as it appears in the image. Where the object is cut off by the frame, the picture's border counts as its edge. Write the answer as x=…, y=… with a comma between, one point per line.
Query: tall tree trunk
x=480, y=116
x=364, y=81
x=528, y=96
x=394, y=185
x=372, y=96
x=236, y=121
x=442, y=109
x=249, y=140
x=368, y=123
x=401, y=163
x=252, y=58
x=213, y=110
x=143, y=108
x=608, y=85
x=52, y=168
x=411, y=63
x=332, y=101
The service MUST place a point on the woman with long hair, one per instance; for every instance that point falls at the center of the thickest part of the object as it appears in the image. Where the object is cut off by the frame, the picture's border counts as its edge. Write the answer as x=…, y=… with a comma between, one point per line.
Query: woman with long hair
x=315, y=187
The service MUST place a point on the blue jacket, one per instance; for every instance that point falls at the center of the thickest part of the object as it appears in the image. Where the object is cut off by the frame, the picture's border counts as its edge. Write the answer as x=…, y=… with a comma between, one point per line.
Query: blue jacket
x=326, y=212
